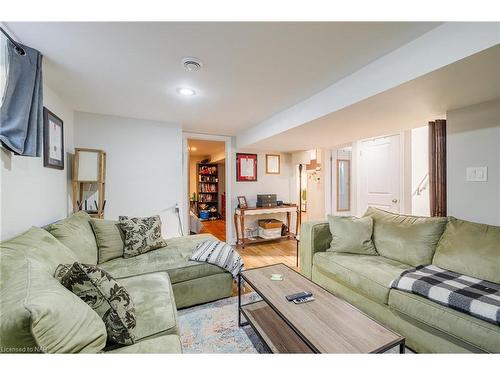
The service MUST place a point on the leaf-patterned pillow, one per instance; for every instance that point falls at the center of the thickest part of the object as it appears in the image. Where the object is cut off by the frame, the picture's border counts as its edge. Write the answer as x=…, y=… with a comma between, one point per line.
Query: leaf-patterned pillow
x=141, y=235
x=107, y=298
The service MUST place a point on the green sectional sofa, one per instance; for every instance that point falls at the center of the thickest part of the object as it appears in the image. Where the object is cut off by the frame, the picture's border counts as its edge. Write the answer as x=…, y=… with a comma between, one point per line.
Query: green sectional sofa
x=37, y=314
x=404, y=242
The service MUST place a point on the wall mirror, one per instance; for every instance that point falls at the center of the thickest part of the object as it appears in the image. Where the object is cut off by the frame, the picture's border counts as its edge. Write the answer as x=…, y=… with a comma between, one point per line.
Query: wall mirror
x=343, y=185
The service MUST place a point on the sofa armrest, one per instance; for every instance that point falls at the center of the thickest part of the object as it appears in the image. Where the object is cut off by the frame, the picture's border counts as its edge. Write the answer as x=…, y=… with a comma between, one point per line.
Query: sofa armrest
x=315, y=236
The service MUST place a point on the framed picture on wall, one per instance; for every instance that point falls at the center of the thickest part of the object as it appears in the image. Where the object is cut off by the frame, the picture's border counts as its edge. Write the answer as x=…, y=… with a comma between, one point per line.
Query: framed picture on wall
x=246, y=167
x=53, y=140
x=272, y=164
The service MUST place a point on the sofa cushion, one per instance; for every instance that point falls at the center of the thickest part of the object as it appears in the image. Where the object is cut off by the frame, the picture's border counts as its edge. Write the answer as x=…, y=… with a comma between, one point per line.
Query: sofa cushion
x=351, y=235
x=174, y=259
x=407, y=239
x=109, y=239
x=36, y=244
x=475, y=331
x=162, y=344
x=155, y=308
x=76, y=233
x=142, y=234
x=105, y=296
x=369, y=275
x=471, y=249
x=37, y=314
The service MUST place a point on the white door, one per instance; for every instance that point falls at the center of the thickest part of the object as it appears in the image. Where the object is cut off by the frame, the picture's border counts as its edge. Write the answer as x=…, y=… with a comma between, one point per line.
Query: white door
x=379, y=174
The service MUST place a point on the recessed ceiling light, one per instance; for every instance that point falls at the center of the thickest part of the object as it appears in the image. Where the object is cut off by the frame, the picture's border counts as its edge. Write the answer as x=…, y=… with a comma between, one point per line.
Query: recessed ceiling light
x=185, y=91
x=191, y=64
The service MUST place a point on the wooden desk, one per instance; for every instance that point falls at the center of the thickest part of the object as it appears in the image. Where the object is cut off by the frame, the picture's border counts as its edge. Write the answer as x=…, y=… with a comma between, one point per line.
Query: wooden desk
x=239, y=221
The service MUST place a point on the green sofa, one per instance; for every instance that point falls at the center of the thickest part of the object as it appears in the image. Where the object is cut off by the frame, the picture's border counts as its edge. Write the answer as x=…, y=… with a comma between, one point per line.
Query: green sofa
x=404, y=242
x=37, y=314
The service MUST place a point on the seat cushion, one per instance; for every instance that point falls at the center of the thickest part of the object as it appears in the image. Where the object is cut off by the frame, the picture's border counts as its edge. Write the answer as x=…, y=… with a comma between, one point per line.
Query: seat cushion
x=407, y=239
x=162, y=344
x=37, y=314
x=369, y=275
x=475, y=331
x=155, y=308
x=109, y=239
x=76, y=233
x=470, y=249
x=351, y=235
x=174, y=259
x=35, y=244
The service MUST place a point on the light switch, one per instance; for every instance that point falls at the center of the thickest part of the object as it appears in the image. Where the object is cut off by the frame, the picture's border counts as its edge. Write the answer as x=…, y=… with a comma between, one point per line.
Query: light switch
x=477, y=174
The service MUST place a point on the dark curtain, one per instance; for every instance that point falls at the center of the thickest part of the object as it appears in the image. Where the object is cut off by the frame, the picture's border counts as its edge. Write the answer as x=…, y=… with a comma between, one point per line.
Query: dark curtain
x=21, y=115
x=437, y=167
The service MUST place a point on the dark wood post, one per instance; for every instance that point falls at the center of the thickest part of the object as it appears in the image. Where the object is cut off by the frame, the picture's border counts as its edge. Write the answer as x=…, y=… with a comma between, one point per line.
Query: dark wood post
x=437, y=167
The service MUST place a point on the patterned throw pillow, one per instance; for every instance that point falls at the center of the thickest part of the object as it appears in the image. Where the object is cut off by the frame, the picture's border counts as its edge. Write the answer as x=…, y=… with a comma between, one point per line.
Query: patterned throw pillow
x=141, y=234
x=107, y=298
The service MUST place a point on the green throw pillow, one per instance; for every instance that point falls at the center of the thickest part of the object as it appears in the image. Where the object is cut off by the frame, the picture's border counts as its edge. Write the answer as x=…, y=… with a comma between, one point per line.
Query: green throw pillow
x=351, y=235
x=141, y=234
x=109, y=238
x=100, y=291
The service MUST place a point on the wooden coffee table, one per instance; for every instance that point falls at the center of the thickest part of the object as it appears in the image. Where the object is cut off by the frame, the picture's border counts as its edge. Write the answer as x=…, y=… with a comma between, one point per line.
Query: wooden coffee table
x=326, y=325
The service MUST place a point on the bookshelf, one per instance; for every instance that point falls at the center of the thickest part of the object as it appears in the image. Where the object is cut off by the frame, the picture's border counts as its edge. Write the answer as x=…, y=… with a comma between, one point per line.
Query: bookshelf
x=208, y=189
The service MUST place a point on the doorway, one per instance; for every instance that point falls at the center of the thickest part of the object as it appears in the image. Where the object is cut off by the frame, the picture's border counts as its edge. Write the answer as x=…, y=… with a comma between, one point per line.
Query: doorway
x=206, y=186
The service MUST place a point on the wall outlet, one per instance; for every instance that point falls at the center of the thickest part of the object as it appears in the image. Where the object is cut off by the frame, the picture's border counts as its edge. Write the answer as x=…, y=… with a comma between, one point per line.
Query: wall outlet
x=477, y=174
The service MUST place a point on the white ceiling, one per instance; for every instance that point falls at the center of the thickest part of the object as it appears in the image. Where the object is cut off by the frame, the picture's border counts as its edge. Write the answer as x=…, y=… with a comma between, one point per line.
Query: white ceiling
x=472, y=80
x=252, y=70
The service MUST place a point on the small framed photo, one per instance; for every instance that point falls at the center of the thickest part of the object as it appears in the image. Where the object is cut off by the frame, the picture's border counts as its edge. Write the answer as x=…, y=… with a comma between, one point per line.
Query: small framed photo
x=272, y=164
x=53, y=140
x=246, y=167
x=242, y=202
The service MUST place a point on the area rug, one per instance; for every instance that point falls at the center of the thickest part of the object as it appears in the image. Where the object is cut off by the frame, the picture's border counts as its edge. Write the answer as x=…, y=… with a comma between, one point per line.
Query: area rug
x=213, y=328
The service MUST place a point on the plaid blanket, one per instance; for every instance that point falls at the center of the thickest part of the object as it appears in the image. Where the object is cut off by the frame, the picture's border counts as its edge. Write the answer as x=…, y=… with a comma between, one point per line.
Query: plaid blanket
x=220, y=254
x=466, y=294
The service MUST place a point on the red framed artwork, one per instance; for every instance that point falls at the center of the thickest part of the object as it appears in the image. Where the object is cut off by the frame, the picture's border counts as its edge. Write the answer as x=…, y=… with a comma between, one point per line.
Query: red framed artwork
x=246, y=167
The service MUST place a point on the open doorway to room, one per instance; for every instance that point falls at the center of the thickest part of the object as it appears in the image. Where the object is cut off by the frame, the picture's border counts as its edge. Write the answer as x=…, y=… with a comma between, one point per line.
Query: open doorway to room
x=207, y=187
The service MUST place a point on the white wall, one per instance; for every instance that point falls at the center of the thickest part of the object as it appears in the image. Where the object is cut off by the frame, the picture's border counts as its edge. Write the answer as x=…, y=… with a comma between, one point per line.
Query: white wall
x=32, y=195
x=144, y=165
x=420, y=204
x=474, y=141
x=279, y=184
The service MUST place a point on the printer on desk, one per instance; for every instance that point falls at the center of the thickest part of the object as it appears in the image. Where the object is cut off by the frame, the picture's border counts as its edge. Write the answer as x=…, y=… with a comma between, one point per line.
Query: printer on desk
x=266, y=200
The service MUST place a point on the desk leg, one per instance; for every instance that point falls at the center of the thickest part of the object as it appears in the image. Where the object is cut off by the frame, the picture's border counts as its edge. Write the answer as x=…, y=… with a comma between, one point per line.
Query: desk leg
x=297, y=223
x=235, y=218
x=288, y=224
x=402, y=348
x=242, y=225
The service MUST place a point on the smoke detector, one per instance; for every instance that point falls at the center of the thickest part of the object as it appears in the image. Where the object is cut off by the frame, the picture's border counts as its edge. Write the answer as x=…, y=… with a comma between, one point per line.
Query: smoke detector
x=192, y=64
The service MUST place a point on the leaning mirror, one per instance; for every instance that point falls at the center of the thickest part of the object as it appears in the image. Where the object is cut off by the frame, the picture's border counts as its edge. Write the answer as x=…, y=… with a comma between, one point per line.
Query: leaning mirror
x=343, y=185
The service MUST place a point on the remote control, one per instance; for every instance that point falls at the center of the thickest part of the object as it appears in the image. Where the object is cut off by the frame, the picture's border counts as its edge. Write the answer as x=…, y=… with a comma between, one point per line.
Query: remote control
x=303, y=300
x=295, y=296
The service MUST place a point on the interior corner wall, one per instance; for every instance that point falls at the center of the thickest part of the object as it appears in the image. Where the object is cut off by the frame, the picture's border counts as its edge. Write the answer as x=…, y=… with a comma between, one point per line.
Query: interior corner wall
x=143, y=166
x=473, y=140
x=32, y=195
